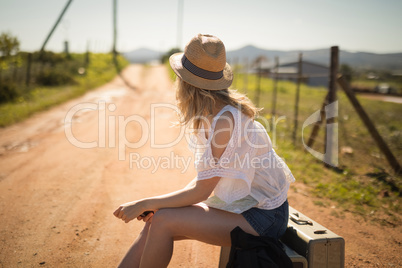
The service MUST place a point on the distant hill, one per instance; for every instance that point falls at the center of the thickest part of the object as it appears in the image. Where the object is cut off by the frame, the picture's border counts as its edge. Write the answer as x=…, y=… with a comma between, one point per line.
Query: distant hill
x=142, y=55
x=361, y=60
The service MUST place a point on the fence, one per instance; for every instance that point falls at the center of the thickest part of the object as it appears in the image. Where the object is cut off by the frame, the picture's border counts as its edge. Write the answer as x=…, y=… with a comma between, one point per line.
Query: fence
x=21, y=72
x=295, y=102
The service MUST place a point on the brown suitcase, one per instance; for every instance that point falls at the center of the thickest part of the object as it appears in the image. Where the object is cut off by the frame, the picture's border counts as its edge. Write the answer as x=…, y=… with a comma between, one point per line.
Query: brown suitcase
x=321, y=247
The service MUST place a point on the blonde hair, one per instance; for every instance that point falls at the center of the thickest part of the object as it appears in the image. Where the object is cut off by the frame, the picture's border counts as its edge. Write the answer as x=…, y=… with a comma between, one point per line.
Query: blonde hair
x=195, y=103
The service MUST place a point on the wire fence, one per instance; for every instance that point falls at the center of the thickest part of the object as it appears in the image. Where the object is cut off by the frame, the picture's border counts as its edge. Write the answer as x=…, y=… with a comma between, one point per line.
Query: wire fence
x=356, y=149
x=19, y=73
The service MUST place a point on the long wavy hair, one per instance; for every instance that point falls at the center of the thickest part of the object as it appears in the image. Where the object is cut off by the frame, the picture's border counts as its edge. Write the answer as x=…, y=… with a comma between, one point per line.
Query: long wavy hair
x=195, y=103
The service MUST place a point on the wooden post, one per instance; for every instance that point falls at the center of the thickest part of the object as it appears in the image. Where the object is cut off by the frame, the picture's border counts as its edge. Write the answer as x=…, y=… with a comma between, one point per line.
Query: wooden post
x=179, y=23
x=15, y=70
x=87, y=56
x=370, y=126
x=258, y=90
x=28, y=75
x=245, y=75
x=235, y=70
x=299, y=77
x=317, y=124
x=274, y=90
x=329, y=132
x=54, y=27
x=114, y=30
x=67, y=49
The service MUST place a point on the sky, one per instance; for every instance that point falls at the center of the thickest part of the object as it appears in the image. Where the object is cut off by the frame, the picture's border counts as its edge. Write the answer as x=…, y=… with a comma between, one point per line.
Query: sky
x=353, y=25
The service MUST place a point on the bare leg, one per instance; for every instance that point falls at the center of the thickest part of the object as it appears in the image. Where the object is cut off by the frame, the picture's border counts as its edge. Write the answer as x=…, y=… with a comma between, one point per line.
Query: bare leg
x=133, y=255
x=204, y=224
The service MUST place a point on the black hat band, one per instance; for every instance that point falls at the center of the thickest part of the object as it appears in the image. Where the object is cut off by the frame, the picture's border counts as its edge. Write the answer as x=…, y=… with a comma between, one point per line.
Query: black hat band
x=199, y=71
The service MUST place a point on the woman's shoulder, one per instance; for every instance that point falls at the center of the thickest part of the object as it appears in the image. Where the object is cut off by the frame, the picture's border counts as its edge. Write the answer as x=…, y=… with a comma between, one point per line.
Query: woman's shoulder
x=222, y=133
x=225, y=120
x=230, y=111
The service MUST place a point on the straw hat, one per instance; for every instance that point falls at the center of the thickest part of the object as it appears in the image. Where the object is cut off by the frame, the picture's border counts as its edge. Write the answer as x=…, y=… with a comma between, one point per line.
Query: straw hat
x=203, y=63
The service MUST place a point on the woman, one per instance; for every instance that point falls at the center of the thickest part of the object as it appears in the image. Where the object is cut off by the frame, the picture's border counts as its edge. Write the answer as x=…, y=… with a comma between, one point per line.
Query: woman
x=234, y=159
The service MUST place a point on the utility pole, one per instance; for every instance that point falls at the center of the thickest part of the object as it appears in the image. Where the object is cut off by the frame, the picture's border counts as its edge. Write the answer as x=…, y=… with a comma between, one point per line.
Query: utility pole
x=114, y=51
x=54, y=27
x=179, y=23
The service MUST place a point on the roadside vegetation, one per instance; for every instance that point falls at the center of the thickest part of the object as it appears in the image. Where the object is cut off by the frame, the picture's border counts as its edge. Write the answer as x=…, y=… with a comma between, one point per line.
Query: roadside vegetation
x=363, y=182
x=373, y=81
x=55, y=80
x=32, y=82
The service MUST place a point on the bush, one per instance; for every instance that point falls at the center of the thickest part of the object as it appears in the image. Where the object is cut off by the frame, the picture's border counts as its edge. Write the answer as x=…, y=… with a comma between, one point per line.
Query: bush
x=8, y=92
x=166, y=56
x=55, y=77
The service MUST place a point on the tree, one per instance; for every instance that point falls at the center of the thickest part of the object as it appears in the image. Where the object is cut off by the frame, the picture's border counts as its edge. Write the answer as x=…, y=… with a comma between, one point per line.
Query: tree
x=9, y=45
x=167, y=55
x=347, y=72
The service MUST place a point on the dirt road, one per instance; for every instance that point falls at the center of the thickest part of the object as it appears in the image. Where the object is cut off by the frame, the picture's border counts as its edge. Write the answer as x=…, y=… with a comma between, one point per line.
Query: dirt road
x=386, y=98
x=64, y=171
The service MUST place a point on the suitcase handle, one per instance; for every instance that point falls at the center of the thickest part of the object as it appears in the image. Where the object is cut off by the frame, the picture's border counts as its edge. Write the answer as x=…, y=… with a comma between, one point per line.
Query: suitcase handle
x=295, y=217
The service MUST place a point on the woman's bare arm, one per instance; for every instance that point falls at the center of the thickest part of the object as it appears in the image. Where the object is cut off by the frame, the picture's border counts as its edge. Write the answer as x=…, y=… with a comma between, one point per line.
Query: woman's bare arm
x=191, y=183
x=184, y=197
x=193, y=194
x=195, y=191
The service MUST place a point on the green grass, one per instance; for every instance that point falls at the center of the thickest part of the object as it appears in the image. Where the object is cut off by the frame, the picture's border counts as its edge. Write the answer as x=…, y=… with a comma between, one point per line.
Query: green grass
x=172, y=75
x=371, y=84
x=348, y=189
x=99, y=71
x=364, y=183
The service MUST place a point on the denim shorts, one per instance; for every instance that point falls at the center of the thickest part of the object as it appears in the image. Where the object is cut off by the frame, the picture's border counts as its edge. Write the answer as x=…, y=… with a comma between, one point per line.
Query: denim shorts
x=272, y=223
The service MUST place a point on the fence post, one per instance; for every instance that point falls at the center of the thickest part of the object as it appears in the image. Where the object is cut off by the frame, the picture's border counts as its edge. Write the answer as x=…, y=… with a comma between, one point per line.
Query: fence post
x=15, y=70
x=245, y=73
x=235, y=70
x=258, y=90
x=28, y=76
x=87, y=56
x=317, y=124
x=274, y=90
x=370, y=126
x=299, y=77
x=329, y=131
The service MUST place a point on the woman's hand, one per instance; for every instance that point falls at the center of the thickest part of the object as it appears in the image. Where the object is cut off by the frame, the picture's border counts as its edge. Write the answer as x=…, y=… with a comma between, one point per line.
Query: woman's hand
x=193, y=194
x=129, y=211
x=147, y=218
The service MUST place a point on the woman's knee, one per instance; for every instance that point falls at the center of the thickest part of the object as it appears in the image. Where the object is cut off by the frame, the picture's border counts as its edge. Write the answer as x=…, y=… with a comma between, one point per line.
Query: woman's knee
x=164, y=219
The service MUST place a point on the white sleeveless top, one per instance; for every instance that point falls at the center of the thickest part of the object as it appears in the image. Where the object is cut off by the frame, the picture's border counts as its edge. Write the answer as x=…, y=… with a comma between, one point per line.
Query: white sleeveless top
x=252, y=174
